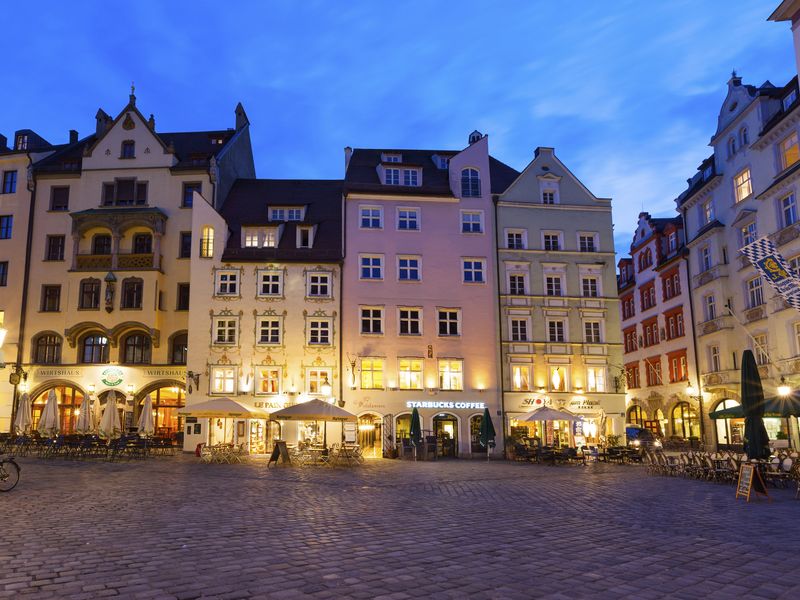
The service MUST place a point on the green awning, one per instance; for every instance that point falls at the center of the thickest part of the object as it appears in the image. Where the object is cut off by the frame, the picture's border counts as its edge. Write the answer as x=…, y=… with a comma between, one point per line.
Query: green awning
x=734, y=412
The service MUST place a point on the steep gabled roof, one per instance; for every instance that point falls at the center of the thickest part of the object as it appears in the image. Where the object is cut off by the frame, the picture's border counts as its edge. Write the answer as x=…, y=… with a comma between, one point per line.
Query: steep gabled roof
x=502, y=175
x=362, y=174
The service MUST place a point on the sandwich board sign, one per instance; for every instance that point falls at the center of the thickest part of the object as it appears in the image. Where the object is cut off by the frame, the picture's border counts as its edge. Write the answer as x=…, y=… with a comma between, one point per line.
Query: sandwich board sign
x=750, y=481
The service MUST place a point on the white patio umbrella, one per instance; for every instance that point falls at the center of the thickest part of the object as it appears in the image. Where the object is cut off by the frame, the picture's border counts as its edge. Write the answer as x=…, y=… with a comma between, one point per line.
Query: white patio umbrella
x=50, y=420
x=24, y=418
x=146, y=425
x=97, y=414
x=545, y=413
x=84, y=424
x=110, y=426
x=223, y=408
x=314, y=410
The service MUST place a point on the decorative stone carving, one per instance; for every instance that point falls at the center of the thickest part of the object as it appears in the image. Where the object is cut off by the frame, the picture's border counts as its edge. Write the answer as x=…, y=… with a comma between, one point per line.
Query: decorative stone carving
x=128, y=123
x=754, y=314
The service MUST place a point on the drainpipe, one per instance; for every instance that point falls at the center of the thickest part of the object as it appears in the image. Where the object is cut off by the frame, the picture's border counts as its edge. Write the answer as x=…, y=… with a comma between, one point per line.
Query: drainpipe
x=694, y=335
x=501, y=383
x=25, y=284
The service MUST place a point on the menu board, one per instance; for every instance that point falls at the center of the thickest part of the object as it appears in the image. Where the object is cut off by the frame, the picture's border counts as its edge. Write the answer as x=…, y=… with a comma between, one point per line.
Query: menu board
x=750, y=481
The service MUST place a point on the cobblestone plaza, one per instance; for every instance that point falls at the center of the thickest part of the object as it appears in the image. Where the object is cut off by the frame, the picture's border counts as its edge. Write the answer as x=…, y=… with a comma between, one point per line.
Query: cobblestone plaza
x=172, y=528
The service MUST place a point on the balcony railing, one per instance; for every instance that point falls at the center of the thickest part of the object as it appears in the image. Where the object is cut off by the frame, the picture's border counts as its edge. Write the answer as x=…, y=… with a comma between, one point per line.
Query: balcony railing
x=111, y=262
x=710, y=275
x=712, y=325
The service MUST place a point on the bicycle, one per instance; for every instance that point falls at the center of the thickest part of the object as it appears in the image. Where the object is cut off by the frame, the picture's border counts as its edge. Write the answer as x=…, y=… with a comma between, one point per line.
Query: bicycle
x=9, y=474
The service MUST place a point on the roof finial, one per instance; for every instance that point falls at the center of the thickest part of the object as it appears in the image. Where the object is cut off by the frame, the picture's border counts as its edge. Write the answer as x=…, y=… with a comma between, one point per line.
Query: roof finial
x=132, y=96
x=733, y=74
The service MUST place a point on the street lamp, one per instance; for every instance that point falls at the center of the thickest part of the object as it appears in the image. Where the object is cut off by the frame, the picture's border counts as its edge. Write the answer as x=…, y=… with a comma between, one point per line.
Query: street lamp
x=697, y=394
x=784, y=389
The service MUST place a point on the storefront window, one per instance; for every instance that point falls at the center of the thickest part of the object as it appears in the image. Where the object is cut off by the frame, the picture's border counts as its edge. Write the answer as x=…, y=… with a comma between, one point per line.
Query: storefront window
x=729, y=431
x=402, y=428
x=369, y=435
x=636, y=416
x=69, y=404
x=685, y=423
x=166, y=402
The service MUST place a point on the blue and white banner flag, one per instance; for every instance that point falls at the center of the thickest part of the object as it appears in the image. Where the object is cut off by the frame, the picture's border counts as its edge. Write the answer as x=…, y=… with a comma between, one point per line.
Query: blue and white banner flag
x=774, y=268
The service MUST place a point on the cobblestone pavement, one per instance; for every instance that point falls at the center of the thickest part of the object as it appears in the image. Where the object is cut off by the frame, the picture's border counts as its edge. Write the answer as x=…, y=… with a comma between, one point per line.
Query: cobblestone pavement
x=172, y=528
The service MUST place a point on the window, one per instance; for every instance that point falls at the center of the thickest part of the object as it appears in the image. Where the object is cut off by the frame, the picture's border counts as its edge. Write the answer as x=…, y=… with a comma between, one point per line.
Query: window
x=371, y=373
x=251, y=238
x=672, y=242
x=409, y=371
x=182, y=297
x=672, y=284
x=552, y=241
x=744, y=138
x=705, y=258
x=189, y=188
x=519, y=330
x=553, y=285
x=89, y=294
x=9, y=182
x=710, y=307
x=47, y=350
x=449, y=321
x=142, y=243
x=632, y=377
x=54, y=247
x=131, y=293
x=225, y=330
x=755, y=292
x=515, y=240
x=558, y=379
x=318, y=285
x=708, y=211
x=371, y=266
x=392, y=176
x=223, y=380
x=125, y=192
x=270, y=238
x=788, y=210
x=648, y=296
x=743, y=185
x=516, y=285
x=51, y=298
x=227, y=283
x=645, y=259
x=410, y=177
x=548, y=197
x=748, y=233
x=410, y=320
x=555, y=331
x=797, y=338
x=180, y=343
x=294, y=214
x=408, y=219
x=586, y=243
x=270, y=283
x=789, y=99
x=136, y=349
x=790, y=152
x=677, y=367
x=371, y=320
x=319, y=332
x=628, y=308
x=589, y=287
x=269, y=330
x=128, y=149
x=207, y=243
x=185, y=247
x=4, y=273
x=101, y=244
x=408, y=268
x=316, y=379
x=473, y=270
x=470, y=183
x=760, y=349
x=731, y=146
x=304, y=237
x=591, y=332
x=520, y=378
x=22, y=142
x=371, y=217
x=451, y=374
x=59, y=198
x=94, y=349
x=713, y=358
x=6, y=225
x=596, y=379
x=277, y=214
x=471, y=221
x=653, y=371
x=268, y=380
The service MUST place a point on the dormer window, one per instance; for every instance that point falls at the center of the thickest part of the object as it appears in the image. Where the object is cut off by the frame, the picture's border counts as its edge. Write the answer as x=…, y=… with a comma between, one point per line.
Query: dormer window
x=22, y=142
x=441, y=162
x=216, y=140
x=260, y=237
x=128, y=149
x=392, y=158
x=789, y=99
x=392, y=177
x=305, y=237
x=708, y=172
x=410, y=177
x=282, y=213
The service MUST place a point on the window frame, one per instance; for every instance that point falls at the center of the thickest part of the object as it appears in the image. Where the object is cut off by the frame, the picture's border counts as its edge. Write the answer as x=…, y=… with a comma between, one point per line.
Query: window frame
x=371, y=267
x=275, y=327
x=328, y=275
x=412, y=215
x=450, y=379
x=452, y=317
x=409, y=269
x=231, y=325
x=467, y=225
x=371, y=318
x=469, y=270
x=260, y=273
x=227, y=278
x=414, y=316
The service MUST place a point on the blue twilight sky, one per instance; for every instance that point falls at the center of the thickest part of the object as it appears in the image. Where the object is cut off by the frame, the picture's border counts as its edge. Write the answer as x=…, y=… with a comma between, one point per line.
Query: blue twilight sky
x=627, y=92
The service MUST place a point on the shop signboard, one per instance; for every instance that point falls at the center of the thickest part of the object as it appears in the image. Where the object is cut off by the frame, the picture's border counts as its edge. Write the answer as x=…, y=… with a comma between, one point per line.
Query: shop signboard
x=750, y=481
x=536, y=402
x=451, y=405
x=111, y=376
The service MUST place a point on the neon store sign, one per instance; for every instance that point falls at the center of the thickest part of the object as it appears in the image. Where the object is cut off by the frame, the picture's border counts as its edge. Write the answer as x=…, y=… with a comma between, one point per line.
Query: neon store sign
x=437, y=405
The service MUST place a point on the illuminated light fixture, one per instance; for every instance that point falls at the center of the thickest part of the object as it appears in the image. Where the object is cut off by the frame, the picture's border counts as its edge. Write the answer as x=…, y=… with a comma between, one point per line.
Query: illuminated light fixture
x=784, y=389
x=556, y=379
x=91, y=388
x=3, y=334
x=518, y=379
x=541, y=390
x=326, y=388
x=691, y=390
x=130, y=389
x=23, y=386
x=366, y=427
x=579, y=391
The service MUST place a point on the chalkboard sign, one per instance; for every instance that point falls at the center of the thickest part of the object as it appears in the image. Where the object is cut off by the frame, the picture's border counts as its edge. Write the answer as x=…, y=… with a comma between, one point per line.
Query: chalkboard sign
x=750, y=481
x=279, y=451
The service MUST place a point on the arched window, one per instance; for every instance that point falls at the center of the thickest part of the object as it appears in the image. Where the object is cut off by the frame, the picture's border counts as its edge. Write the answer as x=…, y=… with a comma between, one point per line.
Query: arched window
x=94, y=349
x=69, y=403
x=167, y=401
x=731, y=147
x=744, y=138
x=636, y=416
x=142, y=243
x=136, y=349
x=177, y=355
x=101, y=244
x=47, y=349
x=730, y=432
x=207, y=242
x=470, y=183
x=132, y=290
x=684, y=421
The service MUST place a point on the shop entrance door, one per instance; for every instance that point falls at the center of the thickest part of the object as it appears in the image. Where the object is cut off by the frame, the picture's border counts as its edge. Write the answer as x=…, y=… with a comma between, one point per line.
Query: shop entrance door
x=369, y=435
x=445, y=427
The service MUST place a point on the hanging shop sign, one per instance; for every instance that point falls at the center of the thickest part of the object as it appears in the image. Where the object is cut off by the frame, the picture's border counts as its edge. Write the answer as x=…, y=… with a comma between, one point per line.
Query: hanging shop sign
x=111, y=377
x=766, y=258
x=454, y=405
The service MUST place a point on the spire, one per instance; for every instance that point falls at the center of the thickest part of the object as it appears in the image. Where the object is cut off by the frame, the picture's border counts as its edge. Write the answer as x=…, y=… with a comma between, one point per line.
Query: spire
x=132, y=97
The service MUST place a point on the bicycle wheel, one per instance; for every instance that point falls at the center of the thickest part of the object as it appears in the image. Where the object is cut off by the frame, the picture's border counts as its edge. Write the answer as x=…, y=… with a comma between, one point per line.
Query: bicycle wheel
x=9, y=476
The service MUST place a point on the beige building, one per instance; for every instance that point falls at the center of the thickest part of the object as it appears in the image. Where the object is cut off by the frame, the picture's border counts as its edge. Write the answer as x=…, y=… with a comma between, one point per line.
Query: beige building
x=110, y=249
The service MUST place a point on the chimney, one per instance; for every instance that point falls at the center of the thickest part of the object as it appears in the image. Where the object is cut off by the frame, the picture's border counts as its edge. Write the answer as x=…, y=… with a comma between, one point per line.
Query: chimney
x=3, y=142
x=73, y=136
x=103, y=122
x=348, y=152
x=151, y=122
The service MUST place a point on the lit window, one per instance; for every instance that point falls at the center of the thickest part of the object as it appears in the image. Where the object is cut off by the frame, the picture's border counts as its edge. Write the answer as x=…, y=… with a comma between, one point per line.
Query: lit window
x=372, y=373
x=558, y=379
x=596, y=379
x=520, y=378
x=251, y=239
x=207, y=243
x=790, y=152
x=316, y=379
x=268, y=380
x=451, y=374
x=223, y=380
x=743, y=186
x=409, y=371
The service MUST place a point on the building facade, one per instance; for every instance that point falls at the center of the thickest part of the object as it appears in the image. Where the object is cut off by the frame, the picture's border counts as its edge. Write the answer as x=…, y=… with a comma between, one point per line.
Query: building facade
x=658, y=333
x=265, y=307
x=559, y=321
x=419, y=317
x=110, y=252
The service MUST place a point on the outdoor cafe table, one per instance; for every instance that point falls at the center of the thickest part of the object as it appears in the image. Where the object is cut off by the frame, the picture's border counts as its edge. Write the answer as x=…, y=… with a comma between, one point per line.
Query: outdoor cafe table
x=346, y=455
x=223, y=453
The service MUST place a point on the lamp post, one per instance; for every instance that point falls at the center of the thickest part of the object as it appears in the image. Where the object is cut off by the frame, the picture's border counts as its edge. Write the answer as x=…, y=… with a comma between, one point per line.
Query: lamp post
x=697, y=394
